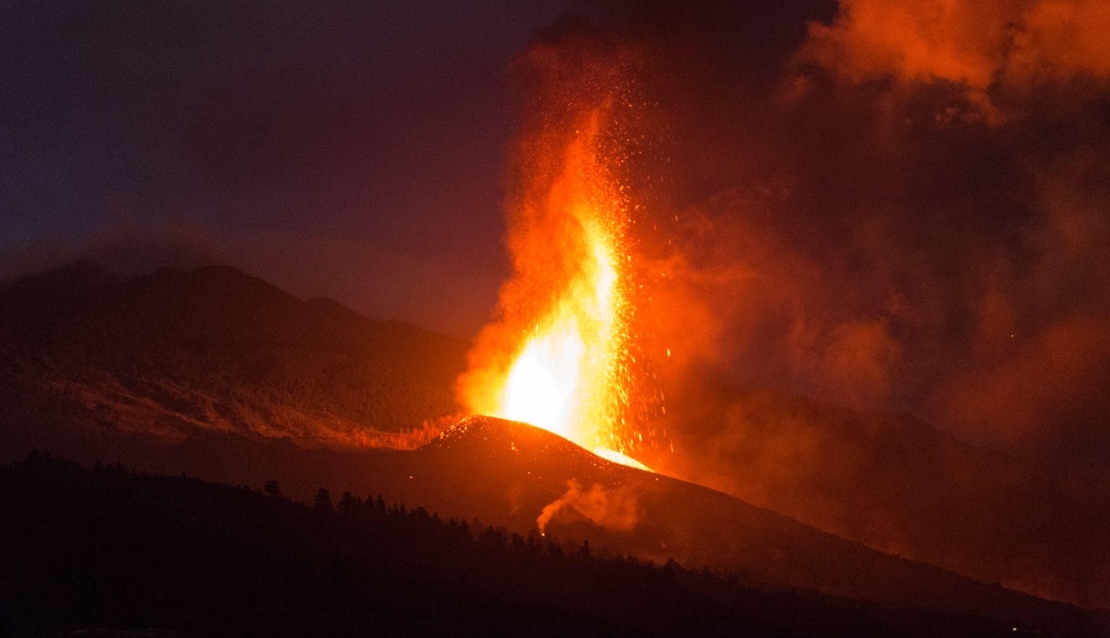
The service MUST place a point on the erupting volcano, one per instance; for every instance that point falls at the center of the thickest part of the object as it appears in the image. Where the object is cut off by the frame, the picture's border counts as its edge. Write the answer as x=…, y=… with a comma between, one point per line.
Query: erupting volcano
x=560, y=358
x=672, y=319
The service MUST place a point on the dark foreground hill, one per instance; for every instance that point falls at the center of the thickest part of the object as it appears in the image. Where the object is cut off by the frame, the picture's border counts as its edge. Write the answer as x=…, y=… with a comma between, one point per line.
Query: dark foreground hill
x=522, y=477
x=104, y=549
x=174, y=355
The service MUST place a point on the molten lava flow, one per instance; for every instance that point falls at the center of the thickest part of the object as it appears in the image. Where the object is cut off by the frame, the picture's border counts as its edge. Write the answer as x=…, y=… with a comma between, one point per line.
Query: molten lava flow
x=561, y=363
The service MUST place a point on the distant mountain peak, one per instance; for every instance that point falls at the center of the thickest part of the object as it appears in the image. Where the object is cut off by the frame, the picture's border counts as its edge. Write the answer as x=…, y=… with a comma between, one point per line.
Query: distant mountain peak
x=180, y=353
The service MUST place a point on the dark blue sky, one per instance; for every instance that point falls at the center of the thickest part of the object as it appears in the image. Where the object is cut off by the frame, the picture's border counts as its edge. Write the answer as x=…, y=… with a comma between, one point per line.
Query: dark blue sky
x=331, y=146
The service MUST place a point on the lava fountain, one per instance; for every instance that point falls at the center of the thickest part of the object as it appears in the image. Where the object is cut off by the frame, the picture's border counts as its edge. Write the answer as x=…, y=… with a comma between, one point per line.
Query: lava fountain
x=560, y=356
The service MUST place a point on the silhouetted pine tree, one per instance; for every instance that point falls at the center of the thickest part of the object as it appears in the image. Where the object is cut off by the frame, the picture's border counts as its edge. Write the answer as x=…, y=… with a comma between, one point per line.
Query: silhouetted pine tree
x=348, y=504
x=272, y=488
x=322, y=504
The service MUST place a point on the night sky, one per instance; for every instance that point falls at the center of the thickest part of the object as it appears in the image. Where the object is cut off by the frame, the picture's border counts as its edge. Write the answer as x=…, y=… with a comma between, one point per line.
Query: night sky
x=888, y=205
x=362, y=140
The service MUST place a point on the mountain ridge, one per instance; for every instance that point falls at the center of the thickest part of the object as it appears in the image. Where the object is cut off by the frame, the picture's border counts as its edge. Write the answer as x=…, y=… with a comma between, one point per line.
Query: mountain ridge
x=217, y=349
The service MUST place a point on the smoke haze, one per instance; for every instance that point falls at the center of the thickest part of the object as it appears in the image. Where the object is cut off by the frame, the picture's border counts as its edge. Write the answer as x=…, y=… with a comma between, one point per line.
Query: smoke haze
x=910, y=218
x=615, y=510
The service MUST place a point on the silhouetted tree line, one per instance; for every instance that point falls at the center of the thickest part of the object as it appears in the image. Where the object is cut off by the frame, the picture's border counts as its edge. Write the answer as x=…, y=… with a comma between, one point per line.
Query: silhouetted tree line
x=459, y=538
x=110, y=548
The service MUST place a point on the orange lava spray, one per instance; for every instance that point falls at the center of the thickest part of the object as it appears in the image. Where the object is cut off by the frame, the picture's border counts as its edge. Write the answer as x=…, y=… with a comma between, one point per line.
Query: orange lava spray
x=559, y=358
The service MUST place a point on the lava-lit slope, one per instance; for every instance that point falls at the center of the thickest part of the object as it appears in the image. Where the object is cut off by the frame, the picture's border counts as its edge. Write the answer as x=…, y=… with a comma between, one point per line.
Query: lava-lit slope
x=174, y=356
x=507, y=473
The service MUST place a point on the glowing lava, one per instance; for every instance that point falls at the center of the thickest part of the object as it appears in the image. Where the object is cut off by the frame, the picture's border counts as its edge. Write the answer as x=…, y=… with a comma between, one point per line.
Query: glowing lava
x=559, y=358
x=570, y=352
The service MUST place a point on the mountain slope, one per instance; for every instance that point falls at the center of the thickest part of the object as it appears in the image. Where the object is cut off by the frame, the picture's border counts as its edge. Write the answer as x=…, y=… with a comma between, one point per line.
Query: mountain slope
x=895, y=483
x=171, y=354
x=177, y=556
x=509, y=473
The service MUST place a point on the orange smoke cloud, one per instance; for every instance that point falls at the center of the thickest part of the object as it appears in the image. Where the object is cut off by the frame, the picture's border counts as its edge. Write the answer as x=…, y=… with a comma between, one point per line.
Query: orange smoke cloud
x=736, y=291
x=856, y=361
x=1064, y=366
x=998, y=43
x=845, y=244
x=615, y=510
x=1043, y=338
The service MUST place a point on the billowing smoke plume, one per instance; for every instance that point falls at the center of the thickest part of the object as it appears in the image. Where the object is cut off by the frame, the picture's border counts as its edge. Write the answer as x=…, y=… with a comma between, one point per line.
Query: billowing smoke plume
x=907, y=213
x=615, y=510
x=984, y=47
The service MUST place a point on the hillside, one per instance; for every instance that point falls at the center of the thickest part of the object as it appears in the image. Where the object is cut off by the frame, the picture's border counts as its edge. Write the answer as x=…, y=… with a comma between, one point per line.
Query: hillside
x=172, y=355
x=106, y=550
x=510, y=473
x=897, y=484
